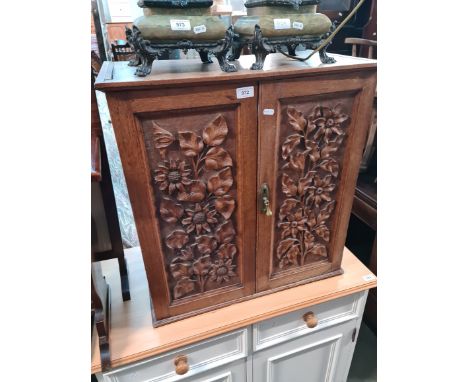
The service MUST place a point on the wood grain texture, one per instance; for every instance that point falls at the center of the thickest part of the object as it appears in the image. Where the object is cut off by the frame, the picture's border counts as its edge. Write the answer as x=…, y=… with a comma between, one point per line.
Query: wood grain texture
x=181, y=72
x=309, y=155
x=133, y=337
x=189, y=160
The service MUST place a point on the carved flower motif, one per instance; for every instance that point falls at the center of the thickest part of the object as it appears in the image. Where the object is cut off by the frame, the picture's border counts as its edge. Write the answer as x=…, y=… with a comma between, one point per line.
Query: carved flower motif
x=222, y=270
x=327, y=122
x=172, y=175
x=294, y=223
x=321, y=190
x=200, y=219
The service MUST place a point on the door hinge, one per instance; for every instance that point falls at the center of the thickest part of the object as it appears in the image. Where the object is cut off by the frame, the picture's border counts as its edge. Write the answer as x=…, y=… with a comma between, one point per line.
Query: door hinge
x=353, y=337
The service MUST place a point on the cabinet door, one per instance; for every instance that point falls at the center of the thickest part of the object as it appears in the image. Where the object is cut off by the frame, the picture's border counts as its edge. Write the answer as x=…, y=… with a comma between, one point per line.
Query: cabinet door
x=311, y=137
x=317, y=357
x=189, y=158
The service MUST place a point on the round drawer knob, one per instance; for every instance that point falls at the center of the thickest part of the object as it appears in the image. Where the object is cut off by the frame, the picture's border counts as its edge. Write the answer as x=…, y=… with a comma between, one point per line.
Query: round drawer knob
x=181, y=365
x=310, y=319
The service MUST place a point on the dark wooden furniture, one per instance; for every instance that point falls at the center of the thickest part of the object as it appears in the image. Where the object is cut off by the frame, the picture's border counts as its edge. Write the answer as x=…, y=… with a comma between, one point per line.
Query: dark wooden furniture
x=122, y=51
x=362, y=25
x=100, y=172
x=355, y=42
x=101, y=311
x=242, y=183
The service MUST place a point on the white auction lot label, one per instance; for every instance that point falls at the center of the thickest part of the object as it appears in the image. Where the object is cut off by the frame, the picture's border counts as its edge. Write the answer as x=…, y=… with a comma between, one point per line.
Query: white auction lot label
x=282, y=23
x=268, y=112
x=199, y=29
x=180, y=25
x=368, y=277
x=298, y=25
x=246, y=92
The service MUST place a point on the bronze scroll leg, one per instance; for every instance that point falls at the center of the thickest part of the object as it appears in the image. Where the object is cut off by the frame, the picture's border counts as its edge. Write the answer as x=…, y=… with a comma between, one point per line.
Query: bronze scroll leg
x=204, y=56
x=258, y=49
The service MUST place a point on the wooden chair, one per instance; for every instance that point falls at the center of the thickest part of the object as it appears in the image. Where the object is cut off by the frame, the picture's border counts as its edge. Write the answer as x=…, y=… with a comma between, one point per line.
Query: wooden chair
x=122, y=51
x=362, y=42
x=100, y=173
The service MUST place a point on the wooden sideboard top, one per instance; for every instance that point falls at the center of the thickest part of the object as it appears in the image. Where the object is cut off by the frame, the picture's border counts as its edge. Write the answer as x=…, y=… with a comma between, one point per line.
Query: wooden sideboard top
x=117, y=75
x=133, y=338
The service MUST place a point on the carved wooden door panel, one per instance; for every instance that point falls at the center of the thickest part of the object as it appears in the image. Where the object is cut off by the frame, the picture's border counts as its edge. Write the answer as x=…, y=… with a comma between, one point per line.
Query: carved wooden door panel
x=192, y=184
x=309, y=154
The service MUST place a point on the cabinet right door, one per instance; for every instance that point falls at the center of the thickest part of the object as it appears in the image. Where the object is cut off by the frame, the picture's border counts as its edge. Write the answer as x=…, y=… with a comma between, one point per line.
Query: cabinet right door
x=311, y=136
x=316, y=357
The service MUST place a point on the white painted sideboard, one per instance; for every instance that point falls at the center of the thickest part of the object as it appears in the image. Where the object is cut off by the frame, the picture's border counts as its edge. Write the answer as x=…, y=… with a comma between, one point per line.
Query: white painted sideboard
x=279, y=349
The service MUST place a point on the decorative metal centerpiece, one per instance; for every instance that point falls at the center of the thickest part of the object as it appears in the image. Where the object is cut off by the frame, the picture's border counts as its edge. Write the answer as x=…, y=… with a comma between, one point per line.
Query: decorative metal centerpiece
x=271, y=25
x=178, y=24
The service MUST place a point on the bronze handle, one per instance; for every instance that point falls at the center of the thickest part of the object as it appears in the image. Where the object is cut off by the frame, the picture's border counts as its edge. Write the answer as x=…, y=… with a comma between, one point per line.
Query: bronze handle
x=181, y=365
x=265, y=192
x=310, y=319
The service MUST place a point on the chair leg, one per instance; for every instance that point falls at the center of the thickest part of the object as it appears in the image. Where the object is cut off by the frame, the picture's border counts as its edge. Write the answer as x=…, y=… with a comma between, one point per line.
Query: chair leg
x=112, y=218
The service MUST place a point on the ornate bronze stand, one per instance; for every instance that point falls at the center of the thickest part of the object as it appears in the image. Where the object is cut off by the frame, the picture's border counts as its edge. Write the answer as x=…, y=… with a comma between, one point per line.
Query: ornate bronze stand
x=147, y=51
x=262, y=46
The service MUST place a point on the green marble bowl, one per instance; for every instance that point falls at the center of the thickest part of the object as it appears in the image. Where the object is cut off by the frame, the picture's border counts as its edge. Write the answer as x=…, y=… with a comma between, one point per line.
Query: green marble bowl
x=157, y=24
x=278, y=19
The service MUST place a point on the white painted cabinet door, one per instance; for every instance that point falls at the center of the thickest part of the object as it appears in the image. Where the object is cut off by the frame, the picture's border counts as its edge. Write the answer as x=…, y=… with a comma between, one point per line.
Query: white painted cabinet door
x=317, y=357
x=233, y=372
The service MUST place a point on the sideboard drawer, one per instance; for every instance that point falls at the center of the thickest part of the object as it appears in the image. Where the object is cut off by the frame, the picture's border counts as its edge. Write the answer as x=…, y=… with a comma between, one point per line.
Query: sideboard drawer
x=286, y=327
x=201, y=357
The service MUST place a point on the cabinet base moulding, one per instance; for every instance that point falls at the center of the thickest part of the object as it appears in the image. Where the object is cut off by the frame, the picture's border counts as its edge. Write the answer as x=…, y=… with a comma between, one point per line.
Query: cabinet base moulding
x=164, y=321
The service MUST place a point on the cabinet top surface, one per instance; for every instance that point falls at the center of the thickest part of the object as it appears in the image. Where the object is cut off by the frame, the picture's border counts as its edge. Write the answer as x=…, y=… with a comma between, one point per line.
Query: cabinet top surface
x=133, y=338
x=115, y=75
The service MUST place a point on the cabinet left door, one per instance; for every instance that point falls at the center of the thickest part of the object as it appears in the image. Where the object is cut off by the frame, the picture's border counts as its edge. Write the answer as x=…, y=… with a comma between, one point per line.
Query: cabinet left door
x=189, y=157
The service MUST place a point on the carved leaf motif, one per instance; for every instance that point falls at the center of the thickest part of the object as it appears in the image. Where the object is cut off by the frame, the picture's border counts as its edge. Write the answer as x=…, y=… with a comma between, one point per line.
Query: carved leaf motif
x=225, y=233
x=181, y=270
x=326, y=212
x=319, y=249
x=227, y=251
x=221, y=182
x=289, y=144
x=286, y=208
x=330, y=165
x=284, y=246
x=162, y=138
x=290, y=251
x=177, y=239
x=202, y=265
x=183, y=287
x=296, y=162
x=309, y=240
x=338, y=115
x=296, y=119
x=186, y=254
x=170, y=210
x=217, y=158
x=196, y=192
x=215, y=133
x=313, y=150
x=331, y=148
x=304, y=183
x=289, y=186
x=323, y=232
x=206, y=244
x=190, y=143
x=225, y=205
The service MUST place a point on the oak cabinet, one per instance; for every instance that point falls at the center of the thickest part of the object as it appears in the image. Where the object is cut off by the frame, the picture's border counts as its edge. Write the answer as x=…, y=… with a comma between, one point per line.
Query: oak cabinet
x=208, y=155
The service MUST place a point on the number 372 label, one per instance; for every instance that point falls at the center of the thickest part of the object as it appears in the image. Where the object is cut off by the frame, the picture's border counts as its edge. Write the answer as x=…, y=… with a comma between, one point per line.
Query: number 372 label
x=246, y=92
